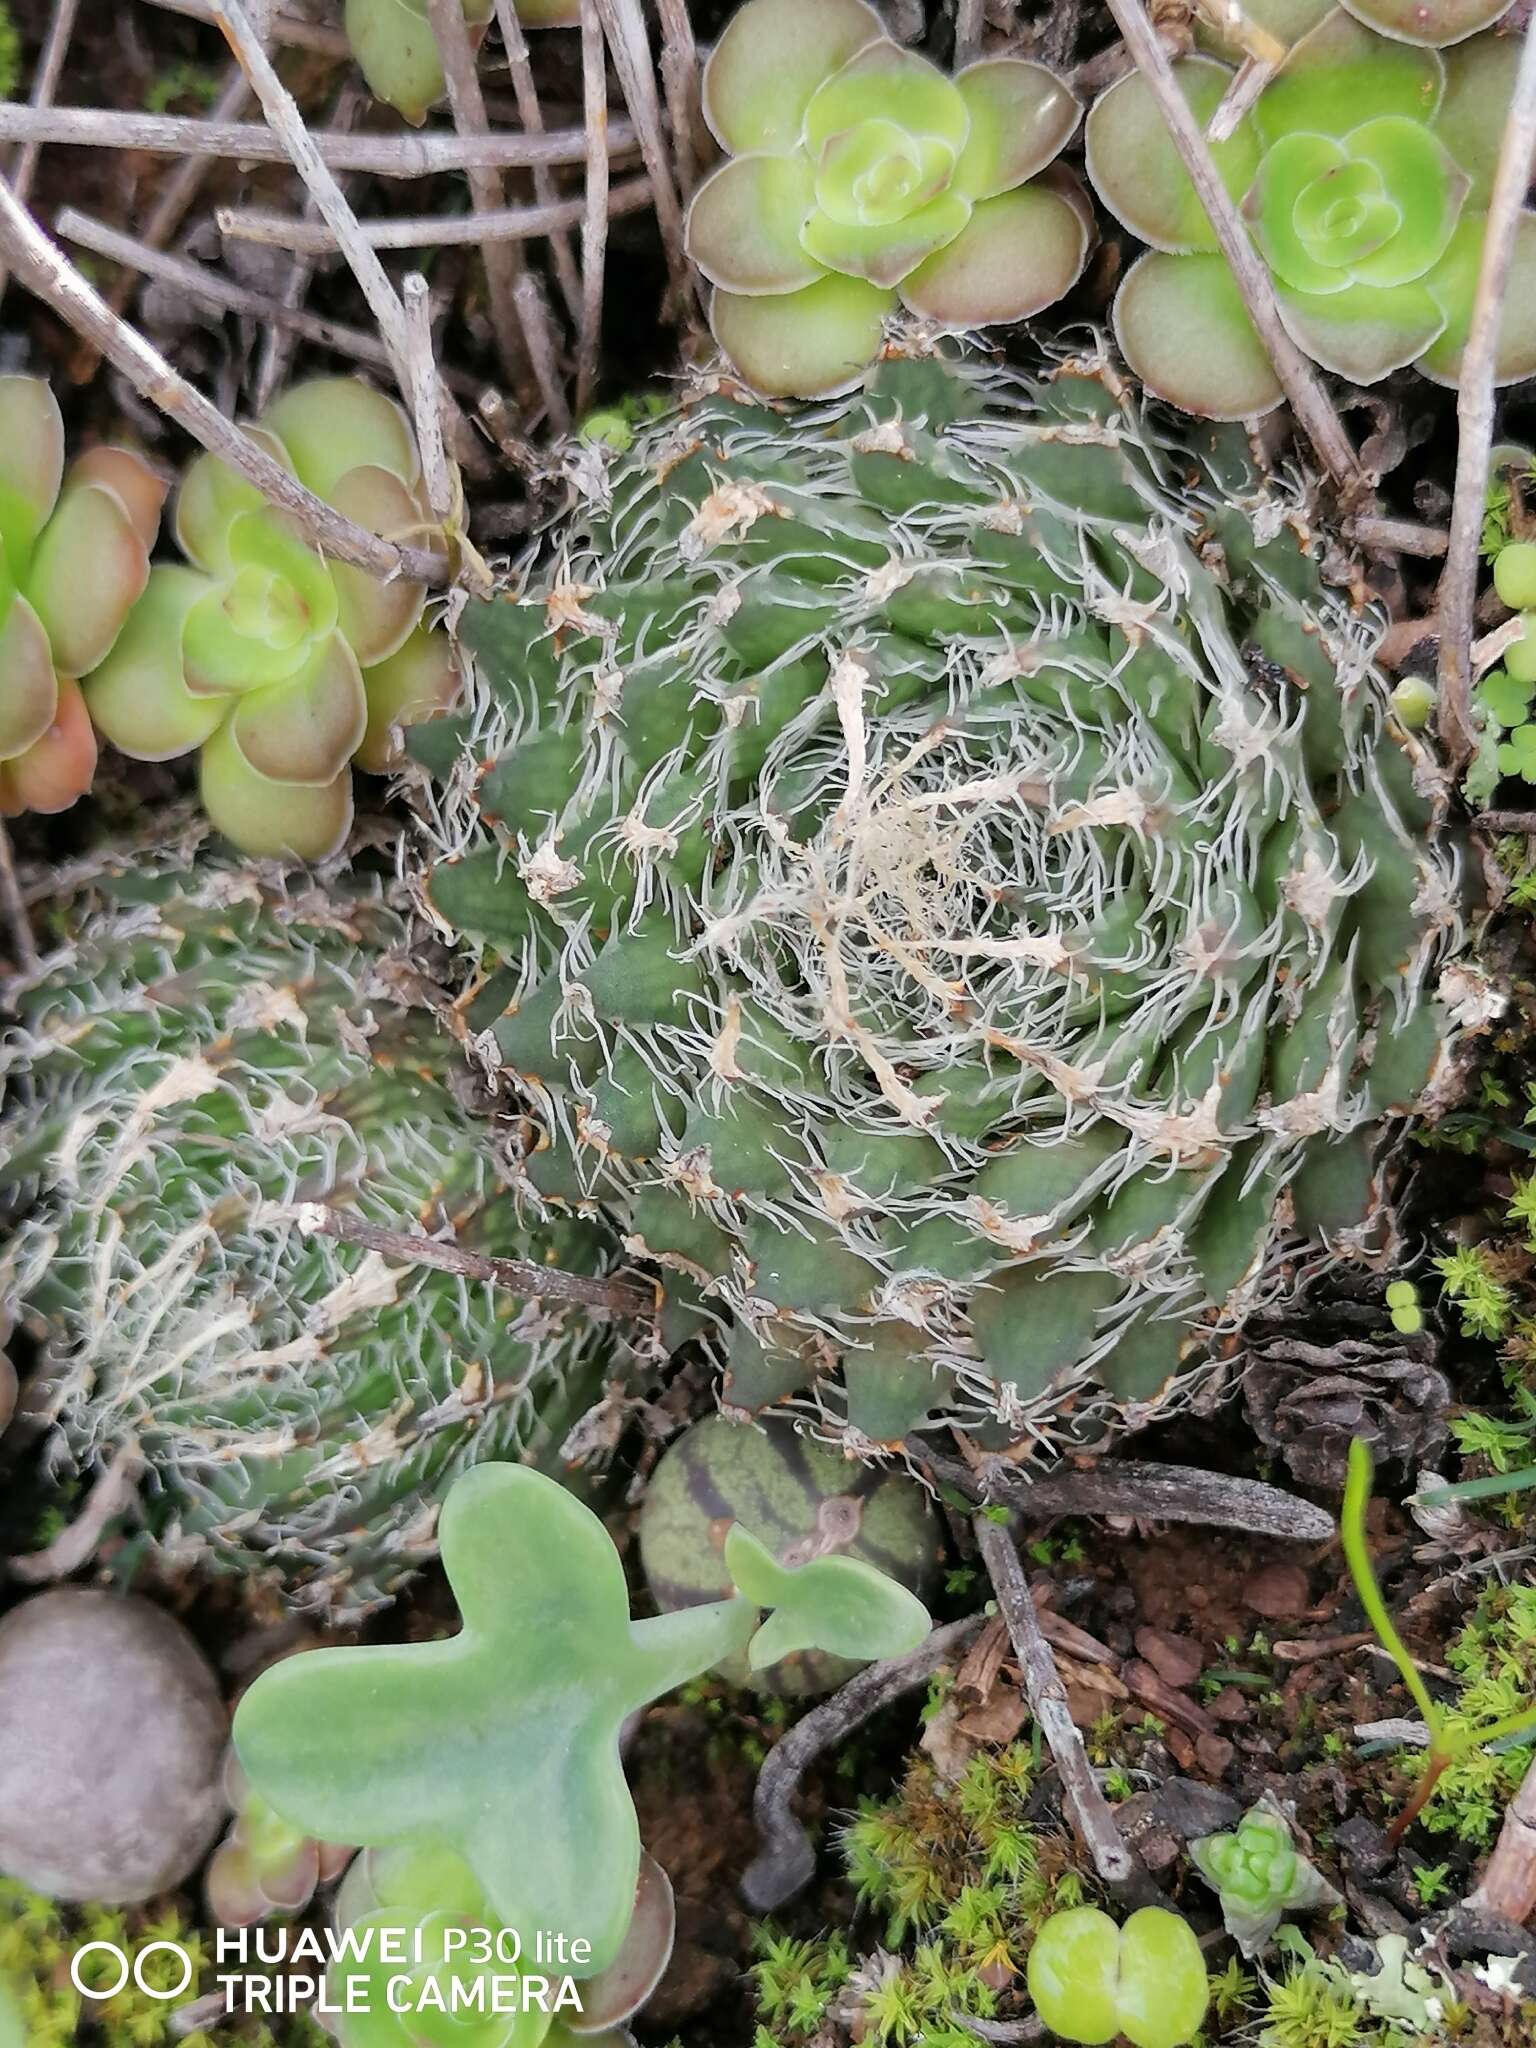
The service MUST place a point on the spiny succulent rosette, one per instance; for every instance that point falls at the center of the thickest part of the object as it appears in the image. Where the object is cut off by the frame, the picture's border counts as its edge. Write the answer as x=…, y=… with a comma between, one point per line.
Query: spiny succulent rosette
x=208, y=1059
x=280, y=666
x=74, y=556
x=950, y=885
x=1363, y=173
x=860, y=180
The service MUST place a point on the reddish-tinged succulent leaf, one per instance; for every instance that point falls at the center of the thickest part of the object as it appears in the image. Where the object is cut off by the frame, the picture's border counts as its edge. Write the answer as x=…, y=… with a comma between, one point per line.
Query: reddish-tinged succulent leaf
x=1340, y=75
x=884, y=255
x=1184, y=330
x=1022, y=117
x=1479, y=84
x=771, y=59
x=141, y=489
x=609, y=1998
x=29, y=684
x=887, y=82
x=306, y=730
x=422, y=678
x=212, y=497
x=1137, y=171
x=230, y=1888
x=1364, y=331
x=138, y=697
x=266, y=818
x=31, y=463
x=60, y=767
x=1021, y=252
x=332, y=424
x=745, y=221
x=1454, y=285
x=375, y=617
x=1434, y=22
x=88, y=570
x=805, y=344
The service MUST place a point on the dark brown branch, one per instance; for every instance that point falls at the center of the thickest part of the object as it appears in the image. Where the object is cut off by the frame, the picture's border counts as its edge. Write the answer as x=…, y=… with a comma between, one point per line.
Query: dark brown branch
x=519, y=1276
x=786, y=1863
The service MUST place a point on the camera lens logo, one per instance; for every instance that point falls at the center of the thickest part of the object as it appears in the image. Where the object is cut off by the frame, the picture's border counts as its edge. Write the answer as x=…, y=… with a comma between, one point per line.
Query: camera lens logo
x=122, y=1966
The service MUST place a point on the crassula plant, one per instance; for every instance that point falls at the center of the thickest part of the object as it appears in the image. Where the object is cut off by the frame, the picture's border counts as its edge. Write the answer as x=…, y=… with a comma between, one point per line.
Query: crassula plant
x=282, y=667
x=499, y=1747
x=1363, y=173
x=1259, y=1875
x=1094, y=1982
x=74, y=556
x=264, y=1866
x=861, y=179
x=397, y=52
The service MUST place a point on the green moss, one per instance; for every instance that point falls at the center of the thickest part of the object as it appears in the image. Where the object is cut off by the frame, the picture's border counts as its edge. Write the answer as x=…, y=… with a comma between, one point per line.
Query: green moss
x=10, y=55
x=1494, y=1656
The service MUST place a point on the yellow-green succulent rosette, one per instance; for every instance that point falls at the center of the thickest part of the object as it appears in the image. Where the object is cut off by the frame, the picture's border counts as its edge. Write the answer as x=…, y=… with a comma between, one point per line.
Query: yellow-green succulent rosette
x=860, y=179
x=1363, y=174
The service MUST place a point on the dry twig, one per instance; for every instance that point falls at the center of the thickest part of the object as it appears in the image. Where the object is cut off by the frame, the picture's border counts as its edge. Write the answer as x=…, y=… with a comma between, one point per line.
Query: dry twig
x=427, y=230
x=786, y=1862
x=45, y=83
x=115, y=1492
x=624, y=26
x=680, y=82
x=531, y=114
x=279, y=28
x=970, y=20
x=1302, y=386
x=426, y=395
x=45, y=271
x=1508, y=1885
x=1397, y=536
x=594, y=232
x=1474, y=412
x=518, y=1276
x=1085, y=1804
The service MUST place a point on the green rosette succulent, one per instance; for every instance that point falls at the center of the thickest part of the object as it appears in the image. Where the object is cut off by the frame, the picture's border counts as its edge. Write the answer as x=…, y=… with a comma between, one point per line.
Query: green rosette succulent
x=281, y=667
x=397, y=52
x=263, y=1866
x=860, y=179
x=1363, y=174
x=1259, y=1875
x=74, y=557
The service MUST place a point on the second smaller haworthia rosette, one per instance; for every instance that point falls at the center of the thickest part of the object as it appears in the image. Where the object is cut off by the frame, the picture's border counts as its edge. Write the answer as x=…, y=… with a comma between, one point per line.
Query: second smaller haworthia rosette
x=397, y=53
x=74, y=555
x=282, y=666
x=207, y=1062
x=862, y=179
x=1363, y=174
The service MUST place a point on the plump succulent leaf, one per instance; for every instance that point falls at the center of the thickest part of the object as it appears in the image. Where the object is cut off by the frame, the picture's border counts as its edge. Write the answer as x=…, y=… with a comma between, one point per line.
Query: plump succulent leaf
x=396, y=50
x=1431, y=22
x=1094, y=1982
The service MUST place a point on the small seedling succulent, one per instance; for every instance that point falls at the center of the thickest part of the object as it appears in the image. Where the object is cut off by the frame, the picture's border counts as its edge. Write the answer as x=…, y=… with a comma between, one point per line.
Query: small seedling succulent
x=500, y=1746
x=1260, y=1876
x=397, y=52
x=282, y=667
x=860, y=179
x=1094, y=1982
x=1448, y=1740
x=1404, y=1309
x=263, y=1865
x=1363, y=172
x=74, y=557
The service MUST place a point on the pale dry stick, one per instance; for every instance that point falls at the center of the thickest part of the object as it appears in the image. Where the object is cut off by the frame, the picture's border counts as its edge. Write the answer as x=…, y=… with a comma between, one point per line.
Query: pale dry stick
x=287, y=124
x=1085, y=1804
x=280, y=28
x=503, y=260
x=44, y=270
x=630, y=43
x=1508, y=1885
x=680, y=81
x=518, y=1276
x=970, y=20
x=538, y=326
x=1474, y=413
x=1240, y=98
x=1309, y=401
x=45, y=83
x=383, y=156
x=427, y=230
x=531, y=113
x=426, y=394
x=14, y=910
x=594, y=232
x=1398, y=536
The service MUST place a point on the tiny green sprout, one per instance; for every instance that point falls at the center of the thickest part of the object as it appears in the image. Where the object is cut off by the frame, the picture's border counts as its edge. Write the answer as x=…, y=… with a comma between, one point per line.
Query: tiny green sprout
x=1514, y=575
x=500, y=1746
x=1092, y=1981
x=1431, y=1881
x=1403, y=1307
x=859, y=179
x=1447, y=1743
x=1413, y=700
x=609, y=428
x=1259, y=1876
